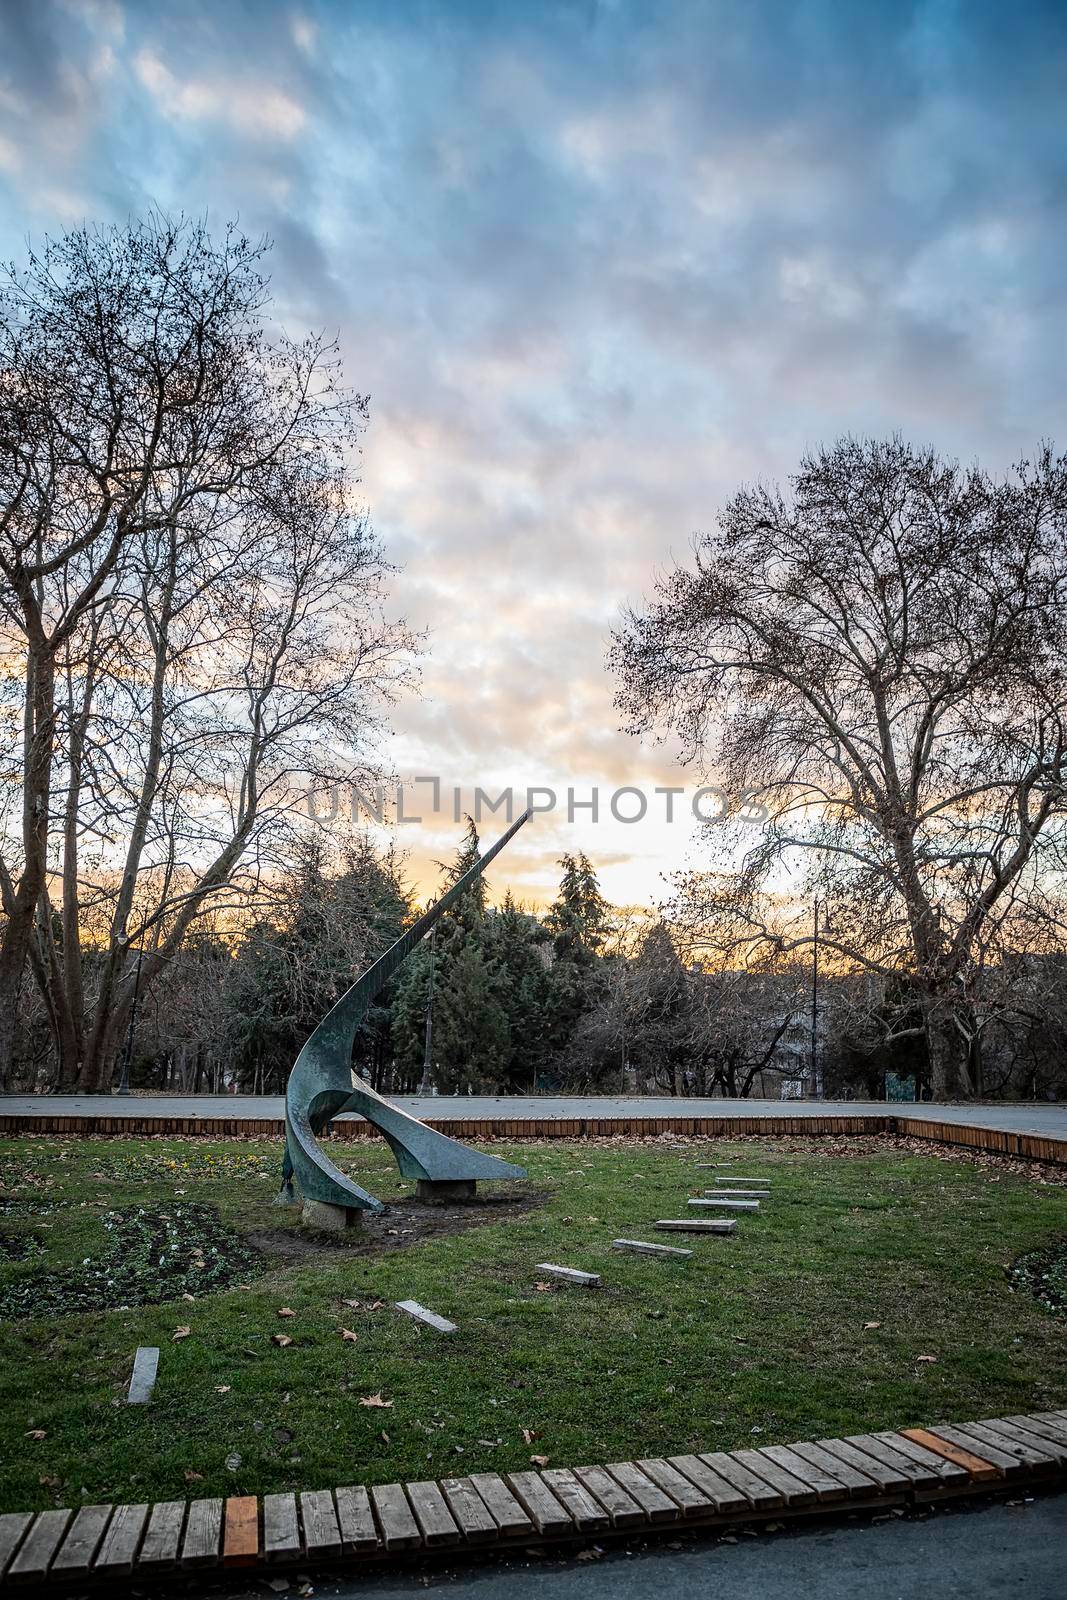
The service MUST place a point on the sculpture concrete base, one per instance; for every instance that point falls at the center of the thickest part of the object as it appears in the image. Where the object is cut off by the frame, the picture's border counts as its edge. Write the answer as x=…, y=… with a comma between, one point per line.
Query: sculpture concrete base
x=329, y=1218
x=438, y=1191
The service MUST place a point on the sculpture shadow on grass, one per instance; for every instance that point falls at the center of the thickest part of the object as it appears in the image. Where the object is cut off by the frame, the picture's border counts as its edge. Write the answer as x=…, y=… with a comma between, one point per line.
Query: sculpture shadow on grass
x=323, y=1084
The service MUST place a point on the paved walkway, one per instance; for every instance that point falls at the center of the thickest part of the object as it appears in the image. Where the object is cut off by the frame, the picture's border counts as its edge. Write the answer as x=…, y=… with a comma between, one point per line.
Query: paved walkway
x=986, y=1554
x=1049, y=1121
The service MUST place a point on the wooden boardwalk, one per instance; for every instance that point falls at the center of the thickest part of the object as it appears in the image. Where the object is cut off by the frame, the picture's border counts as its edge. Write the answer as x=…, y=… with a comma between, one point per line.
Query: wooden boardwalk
x=102, y=1544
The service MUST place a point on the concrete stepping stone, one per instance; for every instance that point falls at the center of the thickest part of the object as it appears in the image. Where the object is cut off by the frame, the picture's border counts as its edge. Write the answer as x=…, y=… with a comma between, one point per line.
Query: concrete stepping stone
x=430, y=1318
x=143, y=1378
x=727, y=1205
x=586, y=1280
x=639, y=1247
x=693, y=1225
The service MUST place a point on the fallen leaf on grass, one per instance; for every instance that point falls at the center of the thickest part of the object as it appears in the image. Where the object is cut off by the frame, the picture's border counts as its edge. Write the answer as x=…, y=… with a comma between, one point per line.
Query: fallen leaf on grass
x=347, y=1334
x=36, y=1433
x=286, y=1311
x=384, y=1437
x=193, y=1477
x=872, y=1325
x=48, y=1481
x=540, y=1461
x=188, y=1296
x=354, y=1304
x=544, y=1288
x=926, y=1358
x=374, y=1400
x=529, y=1435
x=222, y=1388
x=281, y=1339
x=181, y=1333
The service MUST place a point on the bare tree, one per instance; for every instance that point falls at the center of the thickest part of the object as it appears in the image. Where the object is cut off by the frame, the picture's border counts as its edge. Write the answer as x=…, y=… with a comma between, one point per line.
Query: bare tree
x=880, y=659
x=196, y=599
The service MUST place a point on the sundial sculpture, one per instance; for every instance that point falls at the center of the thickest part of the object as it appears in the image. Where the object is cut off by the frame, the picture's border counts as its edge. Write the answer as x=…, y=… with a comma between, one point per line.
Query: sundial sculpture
x=323, y=1083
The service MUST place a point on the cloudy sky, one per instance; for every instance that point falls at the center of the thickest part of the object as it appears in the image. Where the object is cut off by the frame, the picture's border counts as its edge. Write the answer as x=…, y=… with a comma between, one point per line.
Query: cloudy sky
x=596, y=263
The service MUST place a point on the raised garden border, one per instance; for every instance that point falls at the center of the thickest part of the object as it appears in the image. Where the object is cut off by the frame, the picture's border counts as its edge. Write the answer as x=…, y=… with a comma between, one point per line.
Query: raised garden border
x=995, y=1141
x=355, y=1525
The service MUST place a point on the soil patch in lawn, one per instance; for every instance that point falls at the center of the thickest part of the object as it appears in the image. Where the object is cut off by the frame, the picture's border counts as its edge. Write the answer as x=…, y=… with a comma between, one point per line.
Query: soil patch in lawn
x=1044, y=1274
x=401, y=1224
x=151, y=1255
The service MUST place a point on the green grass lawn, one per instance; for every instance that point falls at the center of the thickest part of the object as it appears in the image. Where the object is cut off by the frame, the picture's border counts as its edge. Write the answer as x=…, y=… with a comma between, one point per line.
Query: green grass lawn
x=809, y=1321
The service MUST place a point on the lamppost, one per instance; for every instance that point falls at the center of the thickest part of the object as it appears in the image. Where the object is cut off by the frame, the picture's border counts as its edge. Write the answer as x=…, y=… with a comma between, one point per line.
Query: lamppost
x=427, y=1058
x=815, y=1070
x=124, y=1080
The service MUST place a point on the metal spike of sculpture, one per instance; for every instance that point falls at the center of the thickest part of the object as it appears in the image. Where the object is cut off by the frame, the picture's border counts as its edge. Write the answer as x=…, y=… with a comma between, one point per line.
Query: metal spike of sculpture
x=323, y=1084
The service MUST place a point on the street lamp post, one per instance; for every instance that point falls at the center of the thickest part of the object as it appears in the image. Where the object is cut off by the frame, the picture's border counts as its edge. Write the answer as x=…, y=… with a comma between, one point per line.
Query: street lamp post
x=427, y=1058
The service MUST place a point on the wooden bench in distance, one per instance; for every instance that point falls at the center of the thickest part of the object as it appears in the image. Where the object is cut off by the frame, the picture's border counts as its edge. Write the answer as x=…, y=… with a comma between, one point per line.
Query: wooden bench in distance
x=586, y=1280
x=430, y=1318
x=726, y=1205
x=696, y=1225
x=640, y=1248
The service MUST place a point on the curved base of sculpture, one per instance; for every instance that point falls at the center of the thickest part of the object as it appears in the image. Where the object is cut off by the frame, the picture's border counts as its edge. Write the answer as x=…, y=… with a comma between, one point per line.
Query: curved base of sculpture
x=323, y=1084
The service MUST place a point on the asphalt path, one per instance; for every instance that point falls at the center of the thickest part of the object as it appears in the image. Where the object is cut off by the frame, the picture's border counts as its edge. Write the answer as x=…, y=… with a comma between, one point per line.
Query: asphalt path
x=1044, y=1120
x=1008, y=1549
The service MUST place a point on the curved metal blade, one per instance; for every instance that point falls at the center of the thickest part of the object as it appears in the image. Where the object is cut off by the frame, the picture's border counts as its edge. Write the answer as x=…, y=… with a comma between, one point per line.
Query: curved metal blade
x=323, y=1083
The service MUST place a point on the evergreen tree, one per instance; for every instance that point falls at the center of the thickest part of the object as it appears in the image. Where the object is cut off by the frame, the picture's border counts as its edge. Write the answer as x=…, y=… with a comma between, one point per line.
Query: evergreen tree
x=577, y=921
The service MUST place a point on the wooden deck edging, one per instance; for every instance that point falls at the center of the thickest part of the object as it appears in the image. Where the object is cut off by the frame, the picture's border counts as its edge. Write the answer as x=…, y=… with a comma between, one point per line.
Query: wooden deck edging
x=995, y=1141
x=867, y=1472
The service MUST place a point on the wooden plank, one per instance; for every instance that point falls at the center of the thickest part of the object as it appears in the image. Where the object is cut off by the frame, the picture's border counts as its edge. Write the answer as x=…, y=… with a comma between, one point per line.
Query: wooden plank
x=584, y=1280
x=322, y=1536
x=82, y=1541
x=889, y=1477
x=976, y=1467
x=472, y=1515
x=355, y=1520
x=1049, y=1451
x=502, y=1505
x=549, y=1517
x=396, y=1524
x=240, y=1539
x=203, y=1531
x=691, y=1501
x=826, y=1486
x=430, y=1318
x=639, y=1247
x=1012, y=1457
x=727, y=1205
x=13, y=1525
x=794, y=1491
x=859, y=1485
x=726, y=1499
x=143, y=1377
x=621, y=1507
x=1045, y=1428
x=760, y=1495
x=38, y=1547
x=695, y=1225
x=657, y=1506
x=585, y=1512
x=118, y=1552
x=435, y=1521
x=281, y=1528
x=162, y=1537
x=930, y=1469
